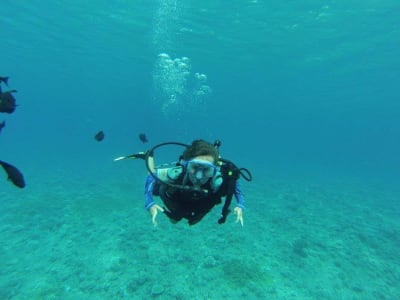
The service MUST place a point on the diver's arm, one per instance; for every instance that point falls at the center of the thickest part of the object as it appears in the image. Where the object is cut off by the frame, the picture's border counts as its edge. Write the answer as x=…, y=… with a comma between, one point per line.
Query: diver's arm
x=239, y=195
x=238, y=210
x=150, y=181
x=150, y=205
x=148, y=191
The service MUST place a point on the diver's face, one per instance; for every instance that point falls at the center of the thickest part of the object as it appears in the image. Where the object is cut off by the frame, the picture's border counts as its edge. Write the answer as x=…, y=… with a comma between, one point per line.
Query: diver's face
x=200, y=169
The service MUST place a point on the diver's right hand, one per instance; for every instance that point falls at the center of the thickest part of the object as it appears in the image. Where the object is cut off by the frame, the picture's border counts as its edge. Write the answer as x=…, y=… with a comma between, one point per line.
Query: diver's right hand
x=154, y=211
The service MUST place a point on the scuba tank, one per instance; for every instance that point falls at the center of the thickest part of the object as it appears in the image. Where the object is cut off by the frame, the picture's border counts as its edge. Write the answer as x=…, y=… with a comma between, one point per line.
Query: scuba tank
x=169, y=174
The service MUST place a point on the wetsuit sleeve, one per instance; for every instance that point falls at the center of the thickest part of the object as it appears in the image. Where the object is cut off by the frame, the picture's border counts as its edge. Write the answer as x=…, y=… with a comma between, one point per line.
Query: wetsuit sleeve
x=148, y=191
x=239, y=195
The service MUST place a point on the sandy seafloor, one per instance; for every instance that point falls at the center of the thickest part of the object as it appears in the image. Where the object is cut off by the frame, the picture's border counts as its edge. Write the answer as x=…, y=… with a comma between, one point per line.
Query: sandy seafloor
x=84, y=234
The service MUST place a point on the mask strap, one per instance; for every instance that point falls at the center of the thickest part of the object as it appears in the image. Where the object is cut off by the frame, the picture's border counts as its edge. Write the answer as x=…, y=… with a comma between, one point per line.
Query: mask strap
x=185, y=178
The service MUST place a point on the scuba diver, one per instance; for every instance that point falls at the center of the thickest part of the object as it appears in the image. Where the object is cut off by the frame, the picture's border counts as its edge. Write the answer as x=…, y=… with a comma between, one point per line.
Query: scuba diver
x=191, y=187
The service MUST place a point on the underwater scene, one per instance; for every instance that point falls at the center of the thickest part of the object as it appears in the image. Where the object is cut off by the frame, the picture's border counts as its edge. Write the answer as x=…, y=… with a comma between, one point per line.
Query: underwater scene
x=200, y=150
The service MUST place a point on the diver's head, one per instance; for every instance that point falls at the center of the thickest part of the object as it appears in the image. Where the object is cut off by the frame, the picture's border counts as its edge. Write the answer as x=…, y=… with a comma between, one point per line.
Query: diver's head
x=200, y=160
x=201, y=148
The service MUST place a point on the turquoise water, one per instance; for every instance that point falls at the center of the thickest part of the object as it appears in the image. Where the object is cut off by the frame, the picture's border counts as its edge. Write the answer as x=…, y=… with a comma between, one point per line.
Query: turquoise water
x=303, y=93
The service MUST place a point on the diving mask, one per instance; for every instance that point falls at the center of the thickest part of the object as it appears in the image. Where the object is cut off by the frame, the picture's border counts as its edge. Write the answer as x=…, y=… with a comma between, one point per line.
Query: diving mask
x=200, y=171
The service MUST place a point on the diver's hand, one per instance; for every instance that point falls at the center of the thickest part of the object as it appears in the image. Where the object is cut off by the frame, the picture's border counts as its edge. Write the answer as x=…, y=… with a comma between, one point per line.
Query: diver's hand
x=238, y=211
x=154, y=211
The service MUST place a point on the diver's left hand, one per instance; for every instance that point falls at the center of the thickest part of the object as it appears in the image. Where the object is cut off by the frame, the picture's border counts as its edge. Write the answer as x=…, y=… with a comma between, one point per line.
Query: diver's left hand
x=238, y=211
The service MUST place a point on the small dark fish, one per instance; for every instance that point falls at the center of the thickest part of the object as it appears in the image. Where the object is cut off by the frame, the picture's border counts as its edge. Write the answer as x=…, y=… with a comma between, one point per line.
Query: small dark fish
x=7, y=102
x=99, y=136
x=2, y=125
x=14, y=175
x=143, y=138
x=4, y=79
